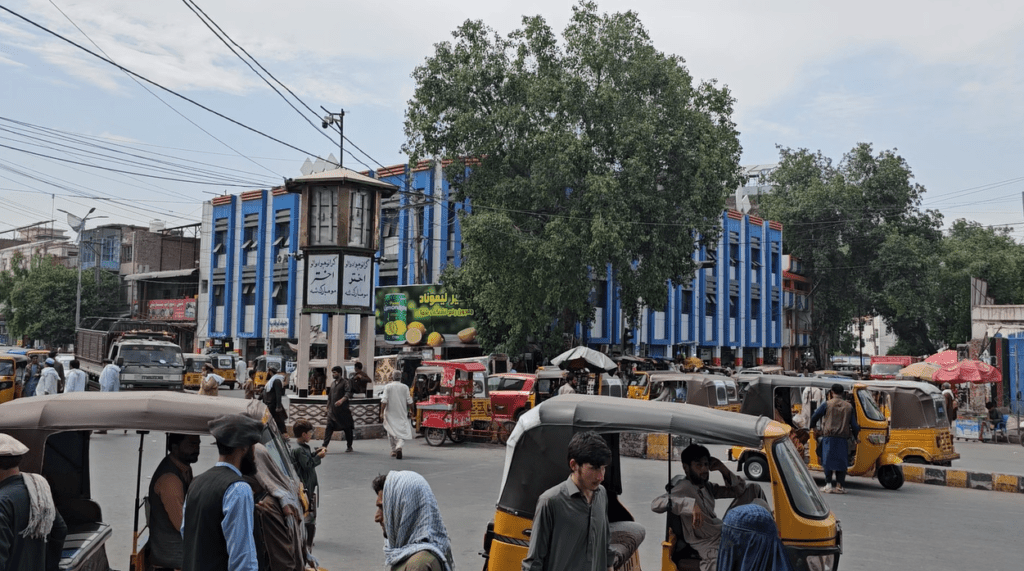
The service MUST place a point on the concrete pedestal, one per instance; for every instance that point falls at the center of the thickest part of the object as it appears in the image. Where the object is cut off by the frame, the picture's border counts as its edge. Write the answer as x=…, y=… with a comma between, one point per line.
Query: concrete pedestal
x=365, y=413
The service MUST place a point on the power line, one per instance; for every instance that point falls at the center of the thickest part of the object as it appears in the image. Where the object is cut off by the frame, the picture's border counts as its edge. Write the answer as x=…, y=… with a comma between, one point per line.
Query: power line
x=151, y=82
x=169, y=106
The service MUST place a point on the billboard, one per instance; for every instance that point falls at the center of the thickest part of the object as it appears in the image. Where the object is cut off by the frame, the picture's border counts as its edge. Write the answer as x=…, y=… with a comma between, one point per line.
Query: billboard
x=424, y=315
x=172, y=309
x=277, y=327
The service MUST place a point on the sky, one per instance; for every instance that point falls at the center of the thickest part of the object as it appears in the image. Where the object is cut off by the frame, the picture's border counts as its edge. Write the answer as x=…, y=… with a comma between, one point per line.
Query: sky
x=942, y=82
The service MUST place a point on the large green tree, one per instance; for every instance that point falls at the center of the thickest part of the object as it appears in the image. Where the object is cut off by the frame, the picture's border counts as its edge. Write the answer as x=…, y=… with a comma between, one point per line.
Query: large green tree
x=38, y=299
x=866, y=243
x=972, y=250
x=578, y=154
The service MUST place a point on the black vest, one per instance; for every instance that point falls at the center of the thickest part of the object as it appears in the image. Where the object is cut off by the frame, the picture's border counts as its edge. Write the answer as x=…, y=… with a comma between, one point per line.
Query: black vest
x=164, y=540
x=205, y=548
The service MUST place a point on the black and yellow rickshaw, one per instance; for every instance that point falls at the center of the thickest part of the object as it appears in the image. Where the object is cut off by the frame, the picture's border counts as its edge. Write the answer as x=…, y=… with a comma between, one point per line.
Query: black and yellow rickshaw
x=12, y=375
x=536, y=461
x=772, y=395
x=918, y=426
x=57, y=430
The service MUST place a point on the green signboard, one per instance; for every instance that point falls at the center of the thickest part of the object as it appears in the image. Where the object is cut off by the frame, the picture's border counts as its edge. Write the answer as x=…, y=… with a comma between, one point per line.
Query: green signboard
x=423, y=315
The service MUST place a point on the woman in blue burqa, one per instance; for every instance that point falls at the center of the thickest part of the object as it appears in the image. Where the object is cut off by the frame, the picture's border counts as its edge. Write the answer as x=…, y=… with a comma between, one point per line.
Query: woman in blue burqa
x=750, y=541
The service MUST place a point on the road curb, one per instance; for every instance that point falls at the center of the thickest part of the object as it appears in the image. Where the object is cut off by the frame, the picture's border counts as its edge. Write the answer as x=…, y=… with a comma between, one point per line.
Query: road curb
x=652, y=446
x=967, y=479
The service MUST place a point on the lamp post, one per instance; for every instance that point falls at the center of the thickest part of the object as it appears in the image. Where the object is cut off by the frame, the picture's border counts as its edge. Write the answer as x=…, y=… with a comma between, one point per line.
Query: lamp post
x=78, y=225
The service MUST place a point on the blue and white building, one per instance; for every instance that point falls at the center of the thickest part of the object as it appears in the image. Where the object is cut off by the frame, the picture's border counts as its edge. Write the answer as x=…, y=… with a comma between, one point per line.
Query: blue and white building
x=729, y=314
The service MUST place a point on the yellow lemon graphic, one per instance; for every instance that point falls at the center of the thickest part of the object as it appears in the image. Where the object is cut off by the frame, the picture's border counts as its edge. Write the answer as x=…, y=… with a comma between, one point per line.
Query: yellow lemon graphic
x=414, y=336
x=435, y=339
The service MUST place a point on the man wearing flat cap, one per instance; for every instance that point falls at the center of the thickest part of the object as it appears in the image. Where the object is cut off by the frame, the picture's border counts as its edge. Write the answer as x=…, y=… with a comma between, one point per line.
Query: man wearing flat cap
x=32, y=532
x=217, y=518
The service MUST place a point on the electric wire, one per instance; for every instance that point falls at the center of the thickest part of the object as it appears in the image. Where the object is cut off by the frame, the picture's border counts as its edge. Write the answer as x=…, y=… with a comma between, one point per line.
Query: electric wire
x=169, y=106
x=155, y=84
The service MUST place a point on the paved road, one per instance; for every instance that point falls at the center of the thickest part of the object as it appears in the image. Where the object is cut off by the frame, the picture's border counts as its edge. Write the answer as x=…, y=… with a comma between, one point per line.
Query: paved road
x=916, y=527
x=1001, y=458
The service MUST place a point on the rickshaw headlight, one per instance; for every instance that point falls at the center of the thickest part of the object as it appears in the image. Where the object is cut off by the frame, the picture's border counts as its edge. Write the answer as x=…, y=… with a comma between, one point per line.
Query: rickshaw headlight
x=821, y=562
x=876, y=438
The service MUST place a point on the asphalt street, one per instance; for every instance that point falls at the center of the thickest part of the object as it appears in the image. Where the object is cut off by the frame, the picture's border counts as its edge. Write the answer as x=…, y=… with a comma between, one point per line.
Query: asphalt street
x=918, y=526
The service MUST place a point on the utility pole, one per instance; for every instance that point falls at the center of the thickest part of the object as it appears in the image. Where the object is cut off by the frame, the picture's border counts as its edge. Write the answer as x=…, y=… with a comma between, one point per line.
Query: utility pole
x=339, y=119
x=78, y=224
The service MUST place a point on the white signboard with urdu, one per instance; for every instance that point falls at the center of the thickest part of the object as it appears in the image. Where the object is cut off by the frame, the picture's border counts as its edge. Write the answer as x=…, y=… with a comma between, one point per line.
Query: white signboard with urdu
x=323, y=278
x=277, y=328
x=357, y=282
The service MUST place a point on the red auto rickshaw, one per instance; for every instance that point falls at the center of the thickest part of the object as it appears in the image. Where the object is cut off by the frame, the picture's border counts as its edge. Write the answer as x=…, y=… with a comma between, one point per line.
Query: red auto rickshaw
x=446, y=412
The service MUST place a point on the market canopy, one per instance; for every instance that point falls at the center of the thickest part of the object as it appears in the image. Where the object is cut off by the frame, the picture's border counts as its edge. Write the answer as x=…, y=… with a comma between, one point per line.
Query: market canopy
x=945, y=358
x=584, y=358
x=968, y=372
x=923, y=370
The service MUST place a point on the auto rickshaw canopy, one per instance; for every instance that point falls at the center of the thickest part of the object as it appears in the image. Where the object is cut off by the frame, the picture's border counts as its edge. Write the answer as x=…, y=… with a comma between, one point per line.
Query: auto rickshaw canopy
x=33, y=420
x=535, y=457
x=912, y=404
x=759, y=397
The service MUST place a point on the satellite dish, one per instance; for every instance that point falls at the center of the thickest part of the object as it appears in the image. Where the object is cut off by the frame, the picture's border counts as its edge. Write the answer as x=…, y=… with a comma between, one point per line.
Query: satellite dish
x=331, y=161
x=319, y=165
x=744, y=204
x=307, y=167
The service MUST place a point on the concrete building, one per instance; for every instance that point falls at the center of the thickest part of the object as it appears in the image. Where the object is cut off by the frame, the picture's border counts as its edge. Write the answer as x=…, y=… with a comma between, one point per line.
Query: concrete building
x=796, y=308
x=731, y=313
x=39, y=240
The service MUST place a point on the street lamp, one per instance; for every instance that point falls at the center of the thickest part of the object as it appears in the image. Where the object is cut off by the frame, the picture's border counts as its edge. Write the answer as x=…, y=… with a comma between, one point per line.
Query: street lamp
x=78, y=225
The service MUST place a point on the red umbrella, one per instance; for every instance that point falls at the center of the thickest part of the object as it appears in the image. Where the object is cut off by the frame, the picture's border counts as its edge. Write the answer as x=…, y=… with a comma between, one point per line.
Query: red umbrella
x=968, y=372
x=945, y=358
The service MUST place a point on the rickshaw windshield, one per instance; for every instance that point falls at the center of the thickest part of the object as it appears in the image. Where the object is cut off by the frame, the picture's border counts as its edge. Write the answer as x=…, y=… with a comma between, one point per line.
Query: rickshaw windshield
x=870, y=408
x=479, y=385
x=721, y=396
x=197, y=365
x=510, y=384
x=801, y=490
x=940, y=410
x=224, y=363
x=278, y=451
x=6, y=369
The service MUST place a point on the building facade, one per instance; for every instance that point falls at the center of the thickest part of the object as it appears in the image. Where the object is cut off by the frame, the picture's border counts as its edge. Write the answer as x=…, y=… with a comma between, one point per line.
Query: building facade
x=730, y=313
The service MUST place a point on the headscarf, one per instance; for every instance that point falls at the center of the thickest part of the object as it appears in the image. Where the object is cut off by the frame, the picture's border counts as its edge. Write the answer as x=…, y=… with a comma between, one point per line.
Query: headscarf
x=750, y=541
x=412, y=520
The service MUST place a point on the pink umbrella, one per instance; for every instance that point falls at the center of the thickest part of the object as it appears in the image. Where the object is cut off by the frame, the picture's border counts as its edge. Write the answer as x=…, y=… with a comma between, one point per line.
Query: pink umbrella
x=945, y=358
x=968, y=372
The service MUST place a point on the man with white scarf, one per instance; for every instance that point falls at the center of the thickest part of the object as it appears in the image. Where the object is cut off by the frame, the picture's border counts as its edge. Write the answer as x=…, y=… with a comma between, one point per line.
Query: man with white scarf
x=416, y=539
x=32, y=532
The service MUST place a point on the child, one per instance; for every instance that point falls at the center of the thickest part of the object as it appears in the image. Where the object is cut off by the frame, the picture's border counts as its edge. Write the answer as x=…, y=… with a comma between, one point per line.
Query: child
x=306, y=461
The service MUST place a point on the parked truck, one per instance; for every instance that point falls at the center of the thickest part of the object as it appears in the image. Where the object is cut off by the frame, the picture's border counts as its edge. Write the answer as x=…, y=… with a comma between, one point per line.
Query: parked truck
x=146, y=352
x=886, y=367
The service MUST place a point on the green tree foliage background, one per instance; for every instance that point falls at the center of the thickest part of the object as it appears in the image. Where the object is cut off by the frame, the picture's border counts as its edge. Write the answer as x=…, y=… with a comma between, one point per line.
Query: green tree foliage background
x=39, y=300
x=865, y=242
x=582, y=153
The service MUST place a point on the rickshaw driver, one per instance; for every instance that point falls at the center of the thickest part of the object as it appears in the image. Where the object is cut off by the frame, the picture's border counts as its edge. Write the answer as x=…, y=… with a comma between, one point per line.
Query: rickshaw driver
x=692, y=498
x=570, y=528
x=167, y=491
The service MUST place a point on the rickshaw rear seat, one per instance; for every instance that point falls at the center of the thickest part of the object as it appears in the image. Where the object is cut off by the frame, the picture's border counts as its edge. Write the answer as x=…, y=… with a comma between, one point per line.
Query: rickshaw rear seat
x=625, y=539
x=77, y=511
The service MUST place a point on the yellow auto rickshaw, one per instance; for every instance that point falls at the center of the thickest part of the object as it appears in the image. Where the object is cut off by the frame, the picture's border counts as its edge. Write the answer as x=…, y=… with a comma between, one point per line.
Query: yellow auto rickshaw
x=771, y=396
x=224, y=365
x=11, y=367
x=261, y=364
x=57, y=430
x=194, y=374
x=918, y=426
x=536, y=461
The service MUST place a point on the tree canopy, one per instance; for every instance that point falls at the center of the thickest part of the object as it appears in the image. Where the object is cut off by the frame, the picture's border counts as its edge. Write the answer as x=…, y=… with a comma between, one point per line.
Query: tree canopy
x=39, y=300
x=578, y=154
x=864, y=240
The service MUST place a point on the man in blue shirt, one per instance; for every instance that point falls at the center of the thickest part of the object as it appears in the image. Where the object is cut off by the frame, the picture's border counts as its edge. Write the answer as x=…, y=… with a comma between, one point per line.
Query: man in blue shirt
x=217, y=518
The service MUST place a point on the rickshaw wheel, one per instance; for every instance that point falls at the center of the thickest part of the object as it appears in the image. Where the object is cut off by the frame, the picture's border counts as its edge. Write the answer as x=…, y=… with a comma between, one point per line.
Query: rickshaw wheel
x=434, y=436
x=457, y=435
x=756, y=468
x=501, y=430
x=891, y=477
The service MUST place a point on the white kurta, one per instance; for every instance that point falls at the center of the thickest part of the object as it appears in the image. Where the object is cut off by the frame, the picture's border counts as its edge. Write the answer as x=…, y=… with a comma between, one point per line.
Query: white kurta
x=396, y=416
x=110, y=378
x=75, y=381
x=48, y=382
